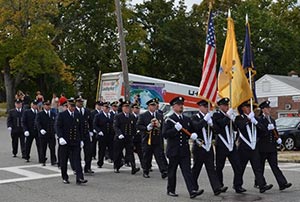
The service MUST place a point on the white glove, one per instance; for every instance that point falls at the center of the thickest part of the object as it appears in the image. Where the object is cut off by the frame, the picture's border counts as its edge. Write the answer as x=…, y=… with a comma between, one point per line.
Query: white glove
x=81, y=144
x=26, y=133
x=121, y=137
x=251, y=115
x=279, y=141
x=207, y=117
x=101, y=133
x=210, y=122
x=91, y=134
x=230, y=113
x=43, y=132
x=94, y=131
x=9, y=128
x=271, y=126
x=178, y=126
x=194, y=136
x=253, y=120
x=62, y=141
x=149, y=127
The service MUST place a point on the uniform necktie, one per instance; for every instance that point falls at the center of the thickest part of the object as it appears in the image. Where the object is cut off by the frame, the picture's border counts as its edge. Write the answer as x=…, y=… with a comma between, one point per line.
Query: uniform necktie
x=82, y=111
x=48, y=113
x=72, y=114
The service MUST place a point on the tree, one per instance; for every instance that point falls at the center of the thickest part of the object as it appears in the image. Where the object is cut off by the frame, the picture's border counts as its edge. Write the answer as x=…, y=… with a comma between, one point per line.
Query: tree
x=25, y=42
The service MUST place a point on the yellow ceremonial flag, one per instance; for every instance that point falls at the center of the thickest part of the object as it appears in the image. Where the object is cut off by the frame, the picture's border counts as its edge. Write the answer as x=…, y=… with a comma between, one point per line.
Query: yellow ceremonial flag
x=231, y=69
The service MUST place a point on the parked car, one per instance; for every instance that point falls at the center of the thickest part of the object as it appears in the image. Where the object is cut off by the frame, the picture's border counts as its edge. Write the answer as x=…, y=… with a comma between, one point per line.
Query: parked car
x=289, y=131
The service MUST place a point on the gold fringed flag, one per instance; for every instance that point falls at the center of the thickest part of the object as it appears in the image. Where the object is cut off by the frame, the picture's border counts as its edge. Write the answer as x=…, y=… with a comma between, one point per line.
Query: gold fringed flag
x=232, y=71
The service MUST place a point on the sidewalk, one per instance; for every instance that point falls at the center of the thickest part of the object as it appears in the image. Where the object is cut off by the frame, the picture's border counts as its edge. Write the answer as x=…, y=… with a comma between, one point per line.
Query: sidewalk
x=289, y=156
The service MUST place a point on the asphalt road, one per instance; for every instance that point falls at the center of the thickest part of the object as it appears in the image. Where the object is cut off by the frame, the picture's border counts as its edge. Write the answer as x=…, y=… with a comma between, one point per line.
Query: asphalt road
x=30, y=182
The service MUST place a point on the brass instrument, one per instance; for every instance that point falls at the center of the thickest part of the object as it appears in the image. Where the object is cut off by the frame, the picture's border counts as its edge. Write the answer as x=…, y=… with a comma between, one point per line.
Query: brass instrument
x=156, y=127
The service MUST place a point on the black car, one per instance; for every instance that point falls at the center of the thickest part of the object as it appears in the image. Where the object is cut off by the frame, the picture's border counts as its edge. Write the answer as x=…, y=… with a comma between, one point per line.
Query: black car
x=289, y=131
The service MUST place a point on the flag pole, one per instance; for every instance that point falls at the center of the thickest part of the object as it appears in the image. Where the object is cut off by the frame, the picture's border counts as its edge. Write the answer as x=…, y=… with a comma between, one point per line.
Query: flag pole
x=209, y=10
x=230, y=89
x=250, y=84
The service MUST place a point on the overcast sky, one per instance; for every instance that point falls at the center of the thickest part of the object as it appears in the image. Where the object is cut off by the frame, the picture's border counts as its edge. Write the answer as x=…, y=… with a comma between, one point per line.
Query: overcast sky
x=189, y=3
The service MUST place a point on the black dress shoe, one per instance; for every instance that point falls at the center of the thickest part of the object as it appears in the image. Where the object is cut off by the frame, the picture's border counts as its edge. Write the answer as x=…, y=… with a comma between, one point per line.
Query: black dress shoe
x=54, y=163
x=287, y=185
x=195, y=193
x=169, y=193
x=146, y=175
x=27, y=161
x=224, y=189
x=89, y=171
x=265, y=188
x=81, y=181
x=240, y=190
x=66, y=181
x=164, y=175
x=116, y=171
x=256, y=186
x=43, y=164
x=217, y=192
x=14, y=155
x=135, y=170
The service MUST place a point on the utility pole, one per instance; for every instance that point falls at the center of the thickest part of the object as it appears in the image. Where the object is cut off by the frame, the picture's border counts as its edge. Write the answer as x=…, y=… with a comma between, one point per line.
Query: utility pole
x=123, y=56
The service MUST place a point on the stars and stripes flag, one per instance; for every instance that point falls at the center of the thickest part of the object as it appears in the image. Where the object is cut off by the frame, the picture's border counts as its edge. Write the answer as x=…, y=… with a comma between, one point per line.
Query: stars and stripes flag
x=208, y=84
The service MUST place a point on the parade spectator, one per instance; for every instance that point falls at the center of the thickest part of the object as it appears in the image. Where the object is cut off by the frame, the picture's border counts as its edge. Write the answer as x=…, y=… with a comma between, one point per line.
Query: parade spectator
x=54, y=103
x=40, y=99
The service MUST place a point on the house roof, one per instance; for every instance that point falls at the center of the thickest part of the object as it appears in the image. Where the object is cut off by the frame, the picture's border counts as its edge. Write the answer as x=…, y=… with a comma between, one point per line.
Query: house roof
x=289, y=80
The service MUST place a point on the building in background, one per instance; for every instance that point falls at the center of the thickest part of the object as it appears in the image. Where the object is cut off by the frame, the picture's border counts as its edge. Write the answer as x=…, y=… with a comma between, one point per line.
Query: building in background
x=282, y=91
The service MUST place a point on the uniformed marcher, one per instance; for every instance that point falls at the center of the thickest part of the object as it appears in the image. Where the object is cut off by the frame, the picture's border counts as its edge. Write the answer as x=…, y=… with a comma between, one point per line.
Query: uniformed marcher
x=103, y=126
x=225, y=144
x=98, y=109
x=267, y=145
x=124, y=129
x=178, y=150
x=14, y=126
x=69, y=131
x=30, y=130
x=64, y=107
x=45, y=120
x=150, y=126
x=203, y=153
x=137, y=139
x=247, y=148
x=87, y=133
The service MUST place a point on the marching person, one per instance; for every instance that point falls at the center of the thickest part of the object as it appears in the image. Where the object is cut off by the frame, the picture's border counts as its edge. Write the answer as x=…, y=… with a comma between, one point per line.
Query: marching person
x=124, y=129
x=225, y=144
x=203, y=153
x=45, y=120
x=14, y=126
x=248, y=126
x=30, y=130
x=137, y=140
x=98, y=110
x=103, y=126
x=267, y=145
x=150, y=126
x=69, y=132
x=178, y=150
x=64, y=108
x=87, y=133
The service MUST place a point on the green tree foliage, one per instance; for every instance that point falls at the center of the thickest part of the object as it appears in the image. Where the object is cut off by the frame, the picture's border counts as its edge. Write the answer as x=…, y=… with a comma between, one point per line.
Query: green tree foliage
x=26, y=50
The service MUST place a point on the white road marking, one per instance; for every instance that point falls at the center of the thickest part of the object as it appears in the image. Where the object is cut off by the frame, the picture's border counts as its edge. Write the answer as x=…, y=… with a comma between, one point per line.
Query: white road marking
x=28, y=175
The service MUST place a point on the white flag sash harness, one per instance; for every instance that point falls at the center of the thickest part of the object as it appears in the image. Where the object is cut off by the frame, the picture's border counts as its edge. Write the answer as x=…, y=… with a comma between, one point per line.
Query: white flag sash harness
x=252, y=136
x=230, y=137
x=206, y=137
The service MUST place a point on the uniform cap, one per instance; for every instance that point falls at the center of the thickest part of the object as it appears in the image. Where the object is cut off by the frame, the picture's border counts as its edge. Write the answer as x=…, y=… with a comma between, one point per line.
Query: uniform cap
x=202, y=103
x=223, y=101
x=264, y=104
x=177, y=100
x=151, y=102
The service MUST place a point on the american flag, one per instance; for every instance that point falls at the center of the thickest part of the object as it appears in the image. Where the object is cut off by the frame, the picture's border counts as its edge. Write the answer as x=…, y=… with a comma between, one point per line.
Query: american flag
x=208, y=84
